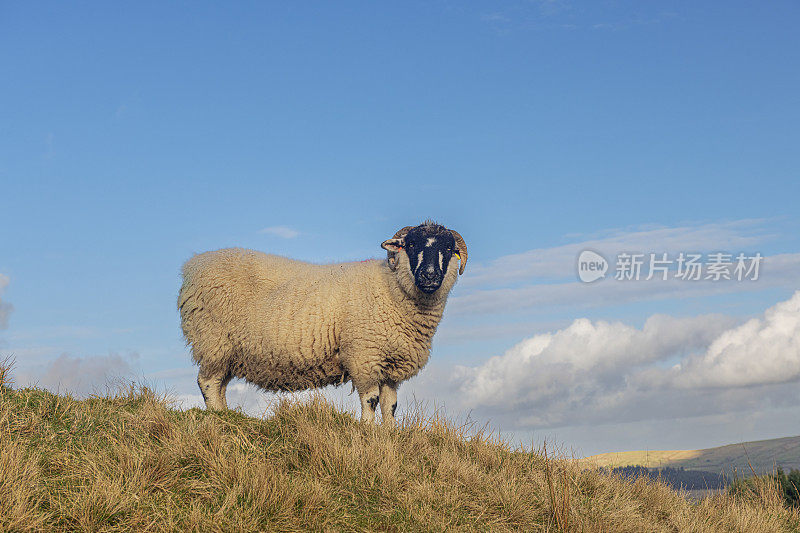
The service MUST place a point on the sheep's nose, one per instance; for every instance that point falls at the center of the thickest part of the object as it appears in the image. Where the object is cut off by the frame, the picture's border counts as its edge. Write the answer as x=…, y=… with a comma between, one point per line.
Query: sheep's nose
x=429, y=274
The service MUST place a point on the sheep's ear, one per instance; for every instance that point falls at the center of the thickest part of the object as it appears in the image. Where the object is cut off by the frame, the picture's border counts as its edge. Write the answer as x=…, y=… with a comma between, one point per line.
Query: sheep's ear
x=392, y=245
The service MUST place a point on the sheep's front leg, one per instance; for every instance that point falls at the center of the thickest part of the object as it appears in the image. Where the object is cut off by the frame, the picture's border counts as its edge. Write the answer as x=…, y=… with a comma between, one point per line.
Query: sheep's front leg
x=213, y=388
x=388, y=397
x=369, y=401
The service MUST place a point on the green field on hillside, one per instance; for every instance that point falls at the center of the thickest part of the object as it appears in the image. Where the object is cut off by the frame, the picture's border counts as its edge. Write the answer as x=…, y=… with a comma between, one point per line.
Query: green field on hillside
x=762, y=455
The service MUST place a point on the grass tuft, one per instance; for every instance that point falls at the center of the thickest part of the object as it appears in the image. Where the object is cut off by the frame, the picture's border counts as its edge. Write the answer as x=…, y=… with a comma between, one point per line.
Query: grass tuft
x=129, y=461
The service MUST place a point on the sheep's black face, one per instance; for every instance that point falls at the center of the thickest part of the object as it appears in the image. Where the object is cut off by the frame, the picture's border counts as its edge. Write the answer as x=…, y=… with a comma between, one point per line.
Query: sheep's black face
x=429, y=249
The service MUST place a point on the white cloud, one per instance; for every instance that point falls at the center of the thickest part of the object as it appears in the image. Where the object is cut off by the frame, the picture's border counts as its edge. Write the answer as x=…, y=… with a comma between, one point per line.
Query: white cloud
x=471, y=331
x=601, y=372
x=761, y=351
x=281, y=231
x=559, y=262
x=181, y=385
x=257, y=402
x=546, y=277
x=5, y=307
x=584, y=352
x=776, y=271
x=80, y=376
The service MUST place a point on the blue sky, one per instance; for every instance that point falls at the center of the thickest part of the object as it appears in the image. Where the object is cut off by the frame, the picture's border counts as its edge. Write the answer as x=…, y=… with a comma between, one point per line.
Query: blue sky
x=134, y=136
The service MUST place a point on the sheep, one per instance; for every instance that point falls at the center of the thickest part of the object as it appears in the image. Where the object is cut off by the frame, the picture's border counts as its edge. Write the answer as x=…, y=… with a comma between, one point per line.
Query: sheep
x=287, y=325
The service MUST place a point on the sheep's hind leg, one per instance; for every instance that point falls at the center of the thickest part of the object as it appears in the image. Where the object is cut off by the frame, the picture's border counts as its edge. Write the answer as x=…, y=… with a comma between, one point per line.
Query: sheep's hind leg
x=213, y=386
x=369, y=401
x=388, y=396
x=223, y=389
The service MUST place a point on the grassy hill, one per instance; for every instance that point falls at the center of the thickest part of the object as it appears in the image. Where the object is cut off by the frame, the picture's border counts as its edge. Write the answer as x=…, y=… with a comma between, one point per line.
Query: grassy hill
x=763, y=455
x=129, y=462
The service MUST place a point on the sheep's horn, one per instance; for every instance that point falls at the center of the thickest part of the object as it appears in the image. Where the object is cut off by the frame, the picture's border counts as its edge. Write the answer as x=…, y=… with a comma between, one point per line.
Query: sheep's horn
x=462, y=250
x=402, y=232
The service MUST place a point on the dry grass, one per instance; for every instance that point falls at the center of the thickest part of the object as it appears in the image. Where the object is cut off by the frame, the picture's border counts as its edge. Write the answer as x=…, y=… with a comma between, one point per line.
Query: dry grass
x=129, y=462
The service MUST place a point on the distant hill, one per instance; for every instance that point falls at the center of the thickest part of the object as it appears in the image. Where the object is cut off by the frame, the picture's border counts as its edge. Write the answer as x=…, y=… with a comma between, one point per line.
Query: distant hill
x=763, y=455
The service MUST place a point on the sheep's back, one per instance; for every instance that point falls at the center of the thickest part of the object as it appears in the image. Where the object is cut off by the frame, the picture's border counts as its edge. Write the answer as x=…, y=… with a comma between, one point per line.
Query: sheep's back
x=301, y=320
x=262, y=309
x=224, y=285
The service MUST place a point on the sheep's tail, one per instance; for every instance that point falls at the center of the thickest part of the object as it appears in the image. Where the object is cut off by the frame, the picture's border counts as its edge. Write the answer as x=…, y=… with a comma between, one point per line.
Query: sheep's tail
x=187, y=297
x=198, y=330
x=187, y=306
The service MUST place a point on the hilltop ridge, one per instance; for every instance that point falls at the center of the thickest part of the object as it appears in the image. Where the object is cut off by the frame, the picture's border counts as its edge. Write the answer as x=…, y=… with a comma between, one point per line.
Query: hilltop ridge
x=131, y=462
